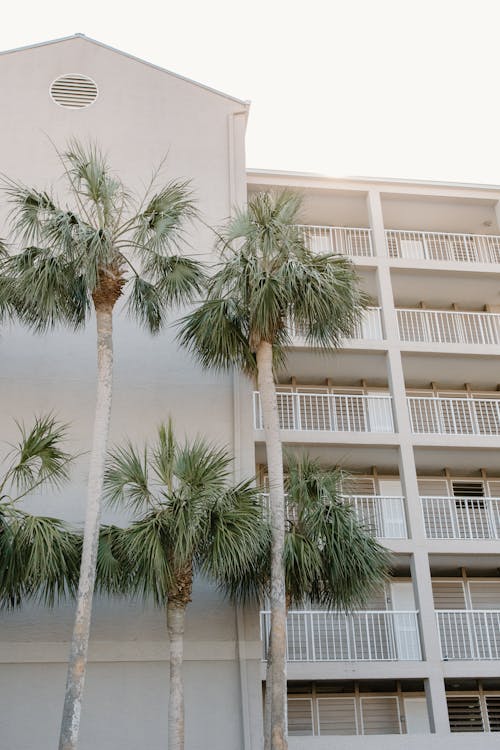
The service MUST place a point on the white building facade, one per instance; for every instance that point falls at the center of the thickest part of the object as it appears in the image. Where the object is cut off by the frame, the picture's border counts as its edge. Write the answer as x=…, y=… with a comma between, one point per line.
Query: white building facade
x=410, y=406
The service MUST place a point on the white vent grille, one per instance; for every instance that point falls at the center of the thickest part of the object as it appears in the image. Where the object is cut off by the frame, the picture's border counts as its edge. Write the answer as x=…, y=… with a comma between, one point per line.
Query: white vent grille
x=74, y=91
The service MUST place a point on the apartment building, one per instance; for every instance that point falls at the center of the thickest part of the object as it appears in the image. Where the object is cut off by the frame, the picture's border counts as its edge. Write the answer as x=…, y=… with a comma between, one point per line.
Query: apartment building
x=410, y=406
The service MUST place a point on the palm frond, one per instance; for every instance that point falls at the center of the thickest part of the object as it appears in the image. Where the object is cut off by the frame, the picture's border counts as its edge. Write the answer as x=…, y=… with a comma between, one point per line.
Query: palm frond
x=45, y=289
x=216, y=333
x=40, y=560
x=237, y=539
x=146, y=544
x=146, y=304
x=126, y=479
x=330, y=558
x=113, y=565
x=38, y=458
x=160, y=226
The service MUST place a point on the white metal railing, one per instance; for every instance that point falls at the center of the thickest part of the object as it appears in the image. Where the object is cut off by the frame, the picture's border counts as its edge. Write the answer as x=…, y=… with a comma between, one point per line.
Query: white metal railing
x=369, y=329
x=355, y=241
x=469, y=634
x=461, y=517
x=374, y=635
x=446, y=246
x=448, y=326
x=330, y=412
x=454, y=416
x=384, y=516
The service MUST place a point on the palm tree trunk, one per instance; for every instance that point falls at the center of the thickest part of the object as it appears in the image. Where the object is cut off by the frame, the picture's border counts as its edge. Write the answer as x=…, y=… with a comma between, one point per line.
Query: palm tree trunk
x=269, y=405
x=267, y=702
x=70, y=724
x=175, y=625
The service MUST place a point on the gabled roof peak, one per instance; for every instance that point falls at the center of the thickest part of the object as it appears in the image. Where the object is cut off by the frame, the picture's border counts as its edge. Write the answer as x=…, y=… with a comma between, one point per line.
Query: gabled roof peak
x=79, y=35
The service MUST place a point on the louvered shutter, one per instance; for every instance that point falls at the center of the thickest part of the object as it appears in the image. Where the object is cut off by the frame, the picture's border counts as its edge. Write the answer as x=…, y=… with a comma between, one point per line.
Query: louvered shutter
x=300, y=717
x=448, y=594
x=337, y=715
x=494, y=487
x=359, y=486
x=485, y=594
x=493, y=711
x=380, y=715
x=464, y=713
x=433, y=487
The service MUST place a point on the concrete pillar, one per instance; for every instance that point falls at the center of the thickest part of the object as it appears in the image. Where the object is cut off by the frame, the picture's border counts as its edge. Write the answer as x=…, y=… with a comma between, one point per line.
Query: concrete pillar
x=422, y=584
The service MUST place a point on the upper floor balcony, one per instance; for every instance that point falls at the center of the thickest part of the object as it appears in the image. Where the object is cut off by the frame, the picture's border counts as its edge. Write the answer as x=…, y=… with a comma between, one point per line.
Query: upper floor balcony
x=469, y=634
x=461, y=517
x=328, y=410
x=377, y=635
x=443, y=246
x=460, y=507
x=351, y=241
x=384, y=516
x=448, y=327
x=468, y=617
x=466, y=413
x=369, y=329
x=323, y=411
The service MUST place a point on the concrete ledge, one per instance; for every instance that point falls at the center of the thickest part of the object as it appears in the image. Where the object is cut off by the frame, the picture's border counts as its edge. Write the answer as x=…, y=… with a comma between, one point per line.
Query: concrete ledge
x=456, y=741
x=125, y=651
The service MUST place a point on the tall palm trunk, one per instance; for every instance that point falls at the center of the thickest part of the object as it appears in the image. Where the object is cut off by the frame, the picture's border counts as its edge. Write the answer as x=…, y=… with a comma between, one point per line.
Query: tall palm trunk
x=176, y=614
x=70, y=724
x=267, y=702
x=178, y=599
x=269, y=405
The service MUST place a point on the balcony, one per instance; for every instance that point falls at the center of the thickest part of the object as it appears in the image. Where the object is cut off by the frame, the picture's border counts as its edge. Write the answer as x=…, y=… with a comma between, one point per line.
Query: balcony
x=448, y=327
x=369, y=329
x=383, y=516
x=330, y=412
x=443, y=246
x=469, y=634
x=454, y=416
x=352, y=241
x=461, y=517
x=315, y=636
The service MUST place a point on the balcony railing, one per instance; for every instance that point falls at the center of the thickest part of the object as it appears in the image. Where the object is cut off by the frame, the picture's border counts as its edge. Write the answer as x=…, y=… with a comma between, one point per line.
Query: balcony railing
x=454, y=416
x=383, y=516
x=330, y=412
x=353, y=241
x=443, y=246
x=369, y=329
x=469, y=634
x=448, y=327
x=359, y=636
x=461, y=517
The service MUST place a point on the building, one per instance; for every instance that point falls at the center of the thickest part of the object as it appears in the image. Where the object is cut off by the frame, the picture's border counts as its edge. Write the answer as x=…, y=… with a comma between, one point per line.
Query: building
x=410, y=405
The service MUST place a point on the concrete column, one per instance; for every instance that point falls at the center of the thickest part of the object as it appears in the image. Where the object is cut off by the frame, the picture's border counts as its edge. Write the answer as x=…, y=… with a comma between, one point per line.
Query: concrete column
x=421, y=577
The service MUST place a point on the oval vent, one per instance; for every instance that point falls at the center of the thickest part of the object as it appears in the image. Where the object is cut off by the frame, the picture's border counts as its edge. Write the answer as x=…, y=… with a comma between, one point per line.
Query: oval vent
x=74, y=91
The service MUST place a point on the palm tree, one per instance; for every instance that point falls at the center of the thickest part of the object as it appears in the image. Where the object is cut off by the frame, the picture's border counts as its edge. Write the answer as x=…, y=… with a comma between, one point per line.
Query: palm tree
x=267, y=276
x=193, y=521
x=77, y=254
x=330, y=558
x=39, y=556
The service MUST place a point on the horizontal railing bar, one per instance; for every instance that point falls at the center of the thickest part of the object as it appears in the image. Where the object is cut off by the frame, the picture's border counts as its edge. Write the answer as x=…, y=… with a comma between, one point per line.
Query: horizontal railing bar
x=423, y=312
x=441, y=234
x=327, y=227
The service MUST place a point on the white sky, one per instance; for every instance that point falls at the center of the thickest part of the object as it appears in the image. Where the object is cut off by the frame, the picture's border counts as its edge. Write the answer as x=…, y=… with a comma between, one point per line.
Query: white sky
x=393, y=88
